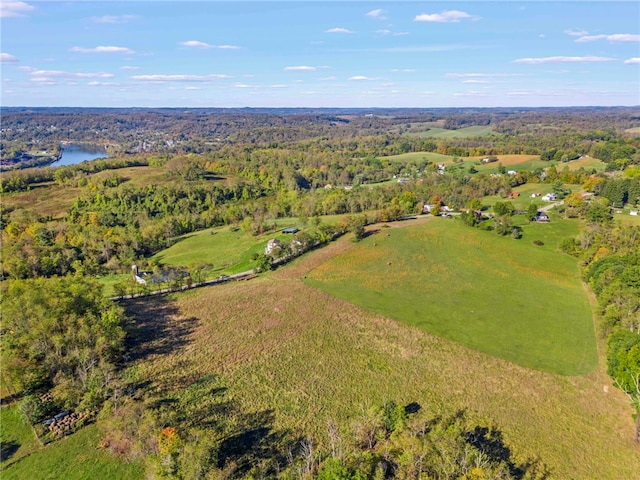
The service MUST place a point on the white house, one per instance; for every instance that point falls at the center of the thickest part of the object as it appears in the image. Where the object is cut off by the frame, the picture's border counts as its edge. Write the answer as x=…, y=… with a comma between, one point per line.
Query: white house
x=550, y=197
x=272, y=244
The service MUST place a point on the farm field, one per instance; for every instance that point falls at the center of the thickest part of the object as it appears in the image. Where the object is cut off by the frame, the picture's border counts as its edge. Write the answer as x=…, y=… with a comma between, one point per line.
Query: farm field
x=466, y=132
x=47, y=199
x=227, y=249
x=503, y=297
x=75, y=457
x=293, y=358
x=418, y=156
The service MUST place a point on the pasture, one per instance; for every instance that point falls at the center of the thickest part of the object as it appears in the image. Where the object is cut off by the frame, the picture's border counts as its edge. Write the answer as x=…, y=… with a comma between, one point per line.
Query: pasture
x=466, y=132
x=75, y=457
x=503, y=297
x=288, y=358
x=414, y=157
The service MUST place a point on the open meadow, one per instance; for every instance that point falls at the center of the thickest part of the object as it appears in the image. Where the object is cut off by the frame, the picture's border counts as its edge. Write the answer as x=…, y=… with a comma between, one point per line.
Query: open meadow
x=465, y=132
x=503, y=297
x=287, y=358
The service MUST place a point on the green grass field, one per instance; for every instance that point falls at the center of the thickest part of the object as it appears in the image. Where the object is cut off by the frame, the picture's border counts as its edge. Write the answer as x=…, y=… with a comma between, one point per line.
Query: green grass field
x=503, y=297
x=466, y=132
x=228, y=249
x=73, y=458
x=418, y=156
x=295, y=357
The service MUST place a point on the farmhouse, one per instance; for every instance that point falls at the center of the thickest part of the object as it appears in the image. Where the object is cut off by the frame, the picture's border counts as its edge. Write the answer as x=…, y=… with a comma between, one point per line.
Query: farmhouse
x=549, y=197
x=272, y=245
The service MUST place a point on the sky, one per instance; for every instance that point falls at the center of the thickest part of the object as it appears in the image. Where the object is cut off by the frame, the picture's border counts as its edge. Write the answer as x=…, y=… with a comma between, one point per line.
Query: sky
x=319, y=54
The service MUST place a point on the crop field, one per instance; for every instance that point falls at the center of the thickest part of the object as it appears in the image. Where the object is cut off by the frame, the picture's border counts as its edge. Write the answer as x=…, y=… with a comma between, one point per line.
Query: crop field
x=497, y=295
x=466, y=132
x=286, y=357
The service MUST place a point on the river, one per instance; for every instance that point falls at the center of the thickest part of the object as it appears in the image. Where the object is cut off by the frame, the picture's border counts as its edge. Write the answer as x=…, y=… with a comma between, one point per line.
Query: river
x=72, y=154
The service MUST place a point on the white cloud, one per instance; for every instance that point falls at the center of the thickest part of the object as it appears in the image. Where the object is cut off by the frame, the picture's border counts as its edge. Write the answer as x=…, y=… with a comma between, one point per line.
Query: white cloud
x=576, y=33
x=403, y=70
x=62, y=74
x=228, y=47
x=129, y=67
x=338, y=30
x=180, y=78
x=191, y=87
x=481, y=75
x=615, y=38
x=471, y=93
x=102, y=49
x=378, y=14
x=196, y=44
x=278, y=86
x=538, y=61
x=359, y=78
x=328, y=79
x=43, y=81
x=10, y=8
x=7, y=58
x=633, y=61
x=300, y=68
x=113, y=18
x=476, y=82
x=446, y=16
x=103, y=84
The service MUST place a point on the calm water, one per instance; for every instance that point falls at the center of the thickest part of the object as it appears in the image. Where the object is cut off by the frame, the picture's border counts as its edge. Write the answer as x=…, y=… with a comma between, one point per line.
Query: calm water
x=72, y=154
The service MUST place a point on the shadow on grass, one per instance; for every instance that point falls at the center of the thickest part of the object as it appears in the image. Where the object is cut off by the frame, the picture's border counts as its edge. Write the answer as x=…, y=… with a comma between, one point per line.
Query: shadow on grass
x=255, y=444
x=8, y=449
x=491, y=443
x=156, y=327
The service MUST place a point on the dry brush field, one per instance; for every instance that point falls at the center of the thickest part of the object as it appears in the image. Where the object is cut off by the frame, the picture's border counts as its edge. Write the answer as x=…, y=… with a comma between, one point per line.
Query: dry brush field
x=277, y=345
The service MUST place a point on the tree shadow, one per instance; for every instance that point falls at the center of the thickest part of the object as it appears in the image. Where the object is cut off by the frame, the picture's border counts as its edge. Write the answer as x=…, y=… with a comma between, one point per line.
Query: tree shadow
x=255, y=443
x=155, y=327
x=8, y=449
x=491, y=443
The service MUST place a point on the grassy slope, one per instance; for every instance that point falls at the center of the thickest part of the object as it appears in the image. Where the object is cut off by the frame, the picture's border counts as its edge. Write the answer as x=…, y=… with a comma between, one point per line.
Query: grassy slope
x=228, y=249
x=74, y=457
x=506, y=298
x=279, y=345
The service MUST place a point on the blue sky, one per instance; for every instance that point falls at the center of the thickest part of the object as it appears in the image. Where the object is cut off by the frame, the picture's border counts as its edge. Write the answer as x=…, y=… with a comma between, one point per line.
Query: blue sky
x=319, y=54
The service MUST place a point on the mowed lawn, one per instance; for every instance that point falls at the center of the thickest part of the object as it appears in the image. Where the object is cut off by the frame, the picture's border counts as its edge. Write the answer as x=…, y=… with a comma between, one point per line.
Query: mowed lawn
x=505, y=297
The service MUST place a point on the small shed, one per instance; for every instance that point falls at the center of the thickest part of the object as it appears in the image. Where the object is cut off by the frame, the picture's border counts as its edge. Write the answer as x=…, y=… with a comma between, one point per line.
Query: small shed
x=291, y=230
